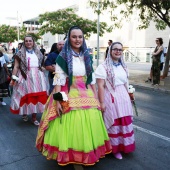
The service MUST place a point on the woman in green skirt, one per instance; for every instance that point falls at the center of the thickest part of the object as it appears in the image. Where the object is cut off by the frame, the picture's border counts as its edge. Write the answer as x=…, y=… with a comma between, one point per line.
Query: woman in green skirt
x=74, y=131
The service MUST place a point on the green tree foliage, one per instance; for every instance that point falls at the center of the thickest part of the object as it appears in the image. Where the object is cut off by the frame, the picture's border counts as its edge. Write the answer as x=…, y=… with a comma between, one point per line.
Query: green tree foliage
x=147, y=10
x=23, y=33
x=60, y=21
x=157, y=11
x=8, y=33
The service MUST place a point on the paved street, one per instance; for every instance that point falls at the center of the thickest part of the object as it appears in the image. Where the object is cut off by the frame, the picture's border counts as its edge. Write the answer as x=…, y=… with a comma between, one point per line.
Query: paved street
x=152, y=133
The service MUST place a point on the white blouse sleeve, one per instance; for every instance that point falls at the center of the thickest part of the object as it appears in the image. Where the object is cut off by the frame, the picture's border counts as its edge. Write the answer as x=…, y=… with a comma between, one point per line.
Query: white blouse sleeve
x=59, y=77
x=93, y=78
x=2, y=61
x=100, y=72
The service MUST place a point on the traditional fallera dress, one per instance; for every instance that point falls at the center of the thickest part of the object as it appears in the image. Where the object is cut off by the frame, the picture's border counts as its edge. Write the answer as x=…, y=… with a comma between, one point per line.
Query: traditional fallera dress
x=30, y=93
x=119, y=112
x=79, y=136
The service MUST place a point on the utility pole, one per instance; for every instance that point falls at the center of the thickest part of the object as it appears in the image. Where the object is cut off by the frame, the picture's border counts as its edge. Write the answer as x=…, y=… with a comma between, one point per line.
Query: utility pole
x=166, y=67
x=18, y=26
x=98, y=31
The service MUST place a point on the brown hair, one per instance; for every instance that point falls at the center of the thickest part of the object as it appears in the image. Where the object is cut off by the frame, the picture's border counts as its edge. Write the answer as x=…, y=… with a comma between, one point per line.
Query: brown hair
x=160, y=40
x=29, y=36
x=113, y=45
x=1, y=53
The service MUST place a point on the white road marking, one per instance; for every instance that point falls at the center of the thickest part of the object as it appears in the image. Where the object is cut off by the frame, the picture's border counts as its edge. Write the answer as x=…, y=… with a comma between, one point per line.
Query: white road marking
x=152, y=133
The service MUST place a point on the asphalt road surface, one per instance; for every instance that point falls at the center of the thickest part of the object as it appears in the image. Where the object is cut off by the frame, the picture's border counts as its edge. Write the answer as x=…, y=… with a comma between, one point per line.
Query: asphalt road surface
x=152, y=134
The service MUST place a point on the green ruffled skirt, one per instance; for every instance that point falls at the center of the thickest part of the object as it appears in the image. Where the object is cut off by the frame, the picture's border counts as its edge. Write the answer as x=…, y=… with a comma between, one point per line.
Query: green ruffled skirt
x=78, y=137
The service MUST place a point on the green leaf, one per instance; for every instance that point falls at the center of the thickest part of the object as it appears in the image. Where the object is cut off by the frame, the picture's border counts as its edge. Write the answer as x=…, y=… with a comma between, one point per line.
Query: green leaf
x=59, y=22
x=149, y=10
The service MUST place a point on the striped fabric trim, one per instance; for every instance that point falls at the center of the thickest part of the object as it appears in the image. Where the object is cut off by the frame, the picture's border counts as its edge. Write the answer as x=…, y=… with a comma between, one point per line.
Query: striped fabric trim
x=121, y=107
x=122, y=148
x=121, y=134
x=121, y=140
x=29, y=109
x=120, y=129
x=30, y=94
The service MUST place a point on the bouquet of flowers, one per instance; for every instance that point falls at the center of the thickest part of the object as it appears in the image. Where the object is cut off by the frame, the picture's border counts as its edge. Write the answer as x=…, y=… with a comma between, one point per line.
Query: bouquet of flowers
x=63, y=99
x=131, y=91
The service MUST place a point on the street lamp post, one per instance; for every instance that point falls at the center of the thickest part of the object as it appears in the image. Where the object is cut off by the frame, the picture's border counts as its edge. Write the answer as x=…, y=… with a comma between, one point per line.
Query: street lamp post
x=18, y=26
x=98, y=31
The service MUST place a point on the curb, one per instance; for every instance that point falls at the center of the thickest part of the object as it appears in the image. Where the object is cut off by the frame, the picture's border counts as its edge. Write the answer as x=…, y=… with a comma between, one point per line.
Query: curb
x=150, y=88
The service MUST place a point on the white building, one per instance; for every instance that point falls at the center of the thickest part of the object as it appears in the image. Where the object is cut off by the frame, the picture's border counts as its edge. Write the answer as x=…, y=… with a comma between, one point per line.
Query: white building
x=139, y=44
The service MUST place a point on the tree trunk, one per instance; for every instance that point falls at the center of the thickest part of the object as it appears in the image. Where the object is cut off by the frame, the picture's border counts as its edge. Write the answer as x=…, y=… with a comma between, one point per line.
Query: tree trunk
x=166, y=68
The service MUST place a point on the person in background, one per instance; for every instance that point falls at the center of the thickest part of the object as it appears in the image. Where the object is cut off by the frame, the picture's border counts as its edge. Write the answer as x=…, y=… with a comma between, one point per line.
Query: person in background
x=53, y=48
x=16, y=50
x=19, y=47
x=13, y=50
x=42, y=50
x=155, y=68
x=162, y=59
x=30, y=92
x=51, y=61
x=109, y=43
x=5, y=55
x=5, y=48
x=115, y=103
x=79, y=136
x=3, y=78
x=9, y=67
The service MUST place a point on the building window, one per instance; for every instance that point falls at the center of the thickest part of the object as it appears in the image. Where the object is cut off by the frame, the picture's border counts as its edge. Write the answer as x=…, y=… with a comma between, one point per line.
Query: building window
x=46, y=43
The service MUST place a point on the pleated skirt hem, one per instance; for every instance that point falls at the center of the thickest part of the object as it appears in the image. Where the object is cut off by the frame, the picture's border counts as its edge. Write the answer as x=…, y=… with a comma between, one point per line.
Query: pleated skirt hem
x=122, y=135
x=76, y=157
x=79, y=137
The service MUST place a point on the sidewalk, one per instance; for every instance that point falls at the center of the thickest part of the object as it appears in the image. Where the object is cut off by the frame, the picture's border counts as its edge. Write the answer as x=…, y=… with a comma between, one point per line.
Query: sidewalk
x=138, y=78
x=139, y=73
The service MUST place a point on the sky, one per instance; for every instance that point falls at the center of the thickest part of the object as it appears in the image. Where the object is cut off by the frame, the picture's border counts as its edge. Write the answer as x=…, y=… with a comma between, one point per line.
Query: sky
x=28, y=9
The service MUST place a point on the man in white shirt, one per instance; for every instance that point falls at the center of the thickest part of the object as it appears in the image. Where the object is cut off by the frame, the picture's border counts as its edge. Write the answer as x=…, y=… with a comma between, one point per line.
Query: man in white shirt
x=162, y=58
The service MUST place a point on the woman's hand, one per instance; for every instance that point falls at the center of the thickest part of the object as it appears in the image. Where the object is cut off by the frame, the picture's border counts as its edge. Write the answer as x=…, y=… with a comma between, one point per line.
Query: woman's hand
x=43, y=69
x=12, y=82
x=59, y=108
x=102, y=107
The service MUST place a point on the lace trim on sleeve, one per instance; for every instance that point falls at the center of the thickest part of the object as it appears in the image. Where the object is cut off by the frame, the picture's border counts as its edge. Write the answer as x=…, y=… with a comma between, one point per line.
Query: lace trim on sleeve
x=59, y=77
